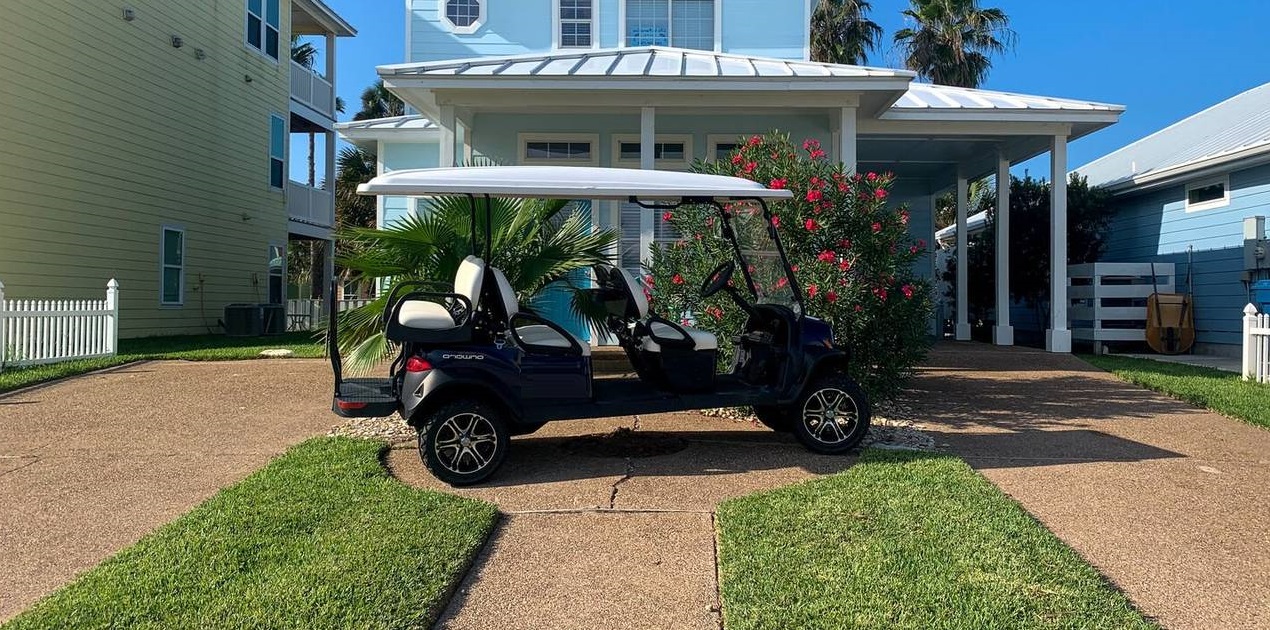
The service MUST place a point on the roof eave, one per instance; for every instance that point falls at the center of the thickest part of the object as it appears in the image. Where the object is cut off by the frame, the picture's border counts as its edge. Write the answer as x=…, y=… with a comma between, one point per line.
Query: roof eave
x=332, y=20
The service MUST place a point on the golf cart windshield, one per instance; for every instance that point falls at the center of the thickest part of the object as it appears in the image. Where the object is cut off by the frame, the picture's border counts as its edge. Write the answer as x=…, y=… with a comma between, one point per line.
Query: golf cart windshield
x=762, y=258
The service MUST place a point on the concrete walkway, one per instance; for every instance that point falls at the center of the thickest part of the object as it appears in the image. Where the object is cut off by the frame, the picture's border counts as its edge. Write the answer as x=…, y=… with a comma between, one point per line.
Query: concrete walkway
x=596, y=541
x=92, y=464
x=1170, y=502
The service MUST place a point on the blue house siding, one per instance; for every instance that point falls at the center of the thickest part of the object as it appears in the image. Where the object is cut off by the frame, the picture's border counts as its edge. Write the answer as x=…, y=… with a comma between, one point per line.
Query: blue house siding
x=766, y=28
x=1154, y=226
x=395, y=156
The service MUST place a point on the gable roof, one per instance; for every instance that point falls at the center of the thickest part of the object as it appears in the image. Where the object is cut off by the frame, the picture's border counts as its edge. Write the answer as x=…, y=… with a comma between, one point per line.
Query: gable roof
x=1235, y=129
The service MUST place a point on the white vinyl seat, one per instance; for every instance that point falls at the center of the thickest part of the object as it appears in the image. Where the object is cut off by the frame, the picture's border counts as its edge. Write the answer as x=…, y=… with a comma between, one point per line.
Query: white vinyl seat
x=701, y=340
x=425, y=315
x=533, y=334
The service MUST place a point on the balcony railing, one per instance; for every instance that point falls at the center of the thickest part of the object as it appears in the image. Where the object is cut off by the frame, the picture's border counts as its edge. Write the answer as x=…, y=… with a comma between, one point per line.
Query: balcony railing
x=312, y=90
x=310, y=205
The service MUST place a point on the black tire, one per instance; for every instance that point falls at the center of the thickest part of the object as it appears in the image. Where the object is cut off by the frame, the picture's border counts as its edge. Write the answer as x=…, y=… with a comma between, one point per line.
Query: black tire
x=775, y=418
x=848, y=420
x=473, y=439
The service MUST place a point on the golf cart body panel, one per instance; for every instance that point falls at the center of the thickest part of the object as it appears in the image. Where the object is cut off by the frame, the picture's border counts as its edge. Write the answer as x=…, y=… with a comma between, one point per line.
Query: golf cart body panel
x=475, y=368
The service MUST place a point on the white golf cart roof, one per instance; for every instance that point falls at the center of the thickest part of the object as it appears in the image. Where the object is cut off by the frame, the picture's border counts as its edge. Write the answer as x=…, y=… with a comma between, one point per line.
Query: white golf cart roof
x=566, y=182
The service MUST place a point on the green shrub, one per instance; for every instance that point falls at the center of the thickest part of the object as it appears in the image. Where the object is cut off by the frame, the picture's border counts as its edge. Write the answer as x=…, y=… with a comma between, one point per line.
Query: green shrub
x=851, y=252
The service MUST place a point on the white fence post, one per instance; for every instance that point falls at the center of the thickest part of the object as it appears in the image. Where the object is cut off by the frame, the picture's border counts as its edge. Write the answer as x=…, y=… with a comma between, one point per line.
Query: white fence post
x=4, y=343
x=1250, y=320
x=112, y=319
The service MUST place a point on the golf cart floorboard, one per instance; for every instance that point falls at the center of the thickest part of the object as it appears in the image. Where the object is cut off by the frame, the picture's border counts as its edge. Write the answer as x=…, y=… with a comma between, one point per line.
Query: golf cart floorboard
x=630, y=396
x=374, y=397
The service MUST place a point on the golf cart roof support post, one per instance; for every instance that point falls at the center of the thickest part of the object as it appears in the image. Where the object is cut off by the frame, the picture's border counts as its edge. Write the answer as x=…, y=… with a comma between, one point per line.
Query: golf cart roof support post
x=471, y=206
x=780, y=249
x=725, y=224
x=489, y=229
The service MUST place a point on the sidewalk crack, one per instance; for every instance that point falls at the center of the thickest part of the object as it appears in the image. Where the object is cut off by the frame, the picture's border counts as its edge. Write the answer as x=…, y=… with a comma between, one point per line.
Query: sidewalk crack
x=630, y=469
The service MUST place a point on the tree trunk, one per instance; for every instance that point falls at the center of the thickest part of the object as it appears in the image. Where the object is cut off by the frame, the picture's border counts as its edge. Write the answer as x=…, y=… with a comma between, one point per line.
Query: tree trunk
x=312, y=160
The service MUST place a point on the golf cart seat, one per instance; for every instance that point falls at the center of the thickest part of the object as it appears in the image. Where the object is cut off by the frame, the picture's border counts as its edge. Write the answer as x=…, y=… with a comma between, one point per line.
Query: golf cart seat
x=414, y=315
x=535, y=334
x=677, y=357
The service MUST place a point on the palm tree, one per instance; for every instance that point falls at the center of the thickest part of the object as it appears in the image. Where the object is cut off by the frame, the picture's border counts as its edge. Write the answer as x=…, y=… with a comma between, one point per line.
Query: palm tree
x=378, y=102
x=952, y=40
x=536, y=243
x=840, y=32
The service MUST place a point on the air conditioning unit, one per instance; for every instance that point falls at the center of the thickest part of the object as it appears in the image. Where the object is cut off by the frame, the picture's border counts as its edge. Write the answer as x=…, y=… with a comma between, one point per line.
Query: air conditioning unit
x=243, y=320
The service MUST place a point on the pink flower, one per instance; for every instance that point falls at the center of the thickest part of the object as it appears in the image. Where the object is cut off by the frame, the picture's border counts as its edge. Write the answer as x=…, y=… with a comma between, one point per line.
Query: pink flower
x=880, y=293
x=810, y=144
x=817, y=154
x=858, y=308
x=715, y=312
x=877, y=227
x=648, y=280
x=816, y=182
x=904, y=217
x=776, y=221
x=814, y=195
x=845, y=265
x=749, y=167
x=667, y=216
x=880, y=193
x=913, y=250
x=831, y=296
x=907, y=290
x=921, y=242
x=811, y=225
x=812, y=290
x=781, y=282
x=826, y=256
x=844, y=243
x=779, y=183
x=737, y=159
x=755, y=141
x=871, y=177
x=794, y=268
x=677, y=279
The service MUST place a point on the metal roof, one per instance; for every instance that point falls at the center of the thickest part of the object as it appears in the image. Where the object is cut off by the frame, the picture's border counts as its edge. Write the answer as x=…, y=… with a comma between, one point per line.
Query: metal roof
x=1236, y=128
x=366, y=134
x=415, y=122
x=929, y=96
x=651, y=61
x=566, y=182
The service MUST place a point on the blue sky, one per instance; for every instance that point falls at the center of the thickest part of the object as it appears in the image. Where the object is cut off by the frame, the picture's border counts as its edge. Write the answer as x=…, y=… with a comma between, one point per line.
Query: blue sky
x=1163, y=59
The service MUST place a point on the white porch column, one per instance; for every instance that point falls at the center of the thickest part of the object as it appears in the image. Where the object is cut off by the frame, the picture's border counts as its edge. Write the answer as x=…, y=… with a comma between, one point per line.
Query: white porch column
x=448, y=123
x=963, y=260
x=647, y=161
x=1003, y=333
x=330, y=60
x=1058, y=338
x=331, y=141
x=847, y=134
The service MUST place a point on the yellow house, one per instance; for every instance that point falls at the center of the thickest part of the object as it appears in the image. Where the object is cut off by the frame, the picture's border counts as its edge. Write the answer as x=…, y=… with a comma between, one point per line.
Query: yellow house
x=148, y=141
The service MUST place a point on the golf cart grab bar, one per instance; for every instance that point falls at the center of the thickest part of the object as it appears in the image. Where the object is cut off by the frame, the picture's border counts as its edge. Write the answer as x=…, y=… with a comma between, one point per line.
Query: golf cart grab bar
x=574, y=347
x=396, y=308
x=685, y=342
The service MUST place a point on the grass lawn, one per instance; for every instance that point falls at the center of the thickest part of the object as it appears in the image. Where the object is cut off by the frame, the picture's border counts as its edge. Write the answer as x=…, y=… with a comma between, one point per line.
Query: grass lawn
x=904, y=540
x=189, y=348
x=320, y=538
x=1223, y=392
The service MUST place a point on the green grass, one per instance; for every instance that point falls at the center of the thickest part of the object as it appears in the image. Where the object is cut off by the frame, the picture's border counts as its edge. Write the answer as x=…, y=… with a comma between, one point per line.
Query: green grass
x=189, y=348
x=320, y=538
x=1223, y=392
x=904, y=540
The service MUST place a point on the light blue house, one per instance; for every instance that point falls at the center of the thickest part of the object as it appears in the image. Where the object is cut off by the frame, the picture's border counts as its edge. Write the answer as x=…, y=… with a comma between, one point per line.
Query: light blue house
x=660, y=83
x=1198, y=190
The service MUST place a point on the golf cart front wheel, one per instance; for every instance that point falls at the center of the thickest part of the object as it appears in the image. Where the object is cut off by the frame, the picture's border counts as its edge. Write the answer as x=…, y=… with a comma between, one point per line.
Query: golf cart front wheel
x=832, y=415
x=463, y=442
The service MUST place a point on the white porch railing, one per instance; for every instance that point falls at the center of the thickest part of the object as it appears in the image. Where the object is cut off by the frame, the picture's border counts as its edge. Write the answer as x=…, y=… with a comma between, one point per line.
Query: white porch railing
x=34, y=332
x=312, y=90
x=311, y=314
x=1108, y=300
x=1256, y=366
x=310, y=205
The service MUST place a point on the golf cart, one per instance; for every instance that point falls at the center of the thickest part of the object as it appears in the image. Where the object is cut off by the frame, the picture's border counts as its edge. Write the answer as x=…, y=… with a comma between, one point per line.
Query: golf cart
x=476, y=368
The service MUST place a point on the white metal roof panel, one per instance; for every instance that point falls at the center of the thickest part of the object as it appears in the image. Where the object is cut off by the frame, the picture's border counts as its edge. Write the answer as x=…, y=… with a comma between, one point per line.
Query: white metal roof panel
x=565, y=182
x=930, y=96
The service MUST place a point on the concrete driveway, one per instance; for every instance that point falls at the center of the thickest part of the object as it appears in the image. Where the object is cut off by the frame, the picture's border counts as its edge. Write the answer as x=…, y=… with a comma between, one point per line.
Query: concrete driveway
x=92, y=464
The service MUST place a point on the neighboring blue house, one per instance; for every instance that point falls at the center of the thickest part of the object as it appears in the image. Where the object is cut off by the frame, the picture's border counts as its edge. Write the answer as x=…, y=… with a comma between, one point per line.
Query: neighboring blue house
x=661, y=83
x=1202, y=184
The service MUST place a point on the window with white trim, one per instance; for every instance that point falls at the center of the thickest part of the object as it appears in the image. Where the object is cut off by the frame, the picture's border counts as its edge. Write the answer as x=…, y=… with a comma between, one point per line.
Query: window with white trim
x=677, y=23
x=263, y=20
x=576, y=23
x=1208, y=193
x=559, y=149
x=277, y=151
x=464, y=16
x=171, y=266
x=670, y=152
x=277, y=273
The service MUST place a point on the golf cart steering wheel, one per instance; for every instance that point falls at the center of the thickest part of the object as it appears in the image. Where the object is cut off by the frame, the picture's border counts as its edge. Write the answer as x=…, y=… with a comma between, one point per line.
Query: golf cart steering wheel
x=718, y=279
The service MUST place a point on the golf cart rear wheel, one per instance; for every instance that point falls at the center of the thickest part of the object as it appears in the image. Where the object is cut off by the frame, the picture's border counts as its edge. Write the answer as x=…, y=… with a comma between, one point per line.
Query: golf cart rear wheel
x=832, y=415
x=463, y=442
x=775, y=418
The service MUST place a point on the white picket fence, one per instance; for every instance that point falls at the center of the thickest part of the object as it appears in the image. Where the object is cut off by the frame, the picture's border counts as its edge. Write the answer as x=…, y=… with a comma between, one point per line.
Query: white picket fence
x=1108, y=300
x=311, y=314
x=1256, y=345
x=38, y=331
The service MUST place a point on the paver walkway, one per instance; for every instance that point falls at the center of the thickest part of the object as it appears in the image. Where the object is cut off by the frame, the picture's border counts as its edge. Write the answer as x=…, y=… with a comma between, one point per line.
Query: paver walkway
x=592, y=541
x=1169, y=501
x=90, y=465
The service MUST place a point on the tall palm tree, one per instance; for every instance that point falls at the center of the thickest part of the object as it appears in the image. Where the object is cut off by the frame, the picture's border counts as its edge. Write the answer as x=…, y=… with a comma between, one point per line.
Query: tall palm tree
x=378, y=102
x=841, y=32
x=952, y=41
x=536, y=243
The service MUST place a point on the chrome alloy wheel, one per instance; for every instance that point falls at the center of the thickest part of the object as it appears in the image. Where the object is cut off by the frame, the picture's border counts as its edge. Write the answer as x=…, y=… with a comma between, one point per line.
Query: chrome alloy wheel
x=465, y=443
x=830, y=415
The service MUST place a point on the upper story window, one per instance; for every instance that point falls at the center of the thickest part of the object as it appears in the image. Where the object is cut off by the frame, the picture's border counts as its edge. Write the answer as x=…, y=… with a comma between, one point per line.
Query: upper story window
x=677, y=23
x=262, y=26
x=464, y=16
x=1209, y=193
x=277, y=150
x=576, y=24
x=559, y=149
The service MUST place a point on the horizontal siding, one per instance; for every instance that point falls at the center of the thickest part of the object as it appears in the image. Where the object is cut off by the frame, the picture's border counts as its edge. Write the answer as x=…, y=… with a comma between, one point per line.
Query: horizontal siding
x=1154, y=226
x=511, y=27
x=109, y=132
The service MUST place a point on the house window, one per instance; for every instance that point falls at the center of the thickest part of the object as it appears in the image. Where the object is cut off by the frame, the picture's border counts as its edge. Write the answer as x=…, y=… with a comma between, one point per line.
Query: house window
x=559, y=149
x=1209, y=193
x=172, y=266
x=677, y=23
x=721, y=146
x=670, y=152
x=576, y=23
x=465, y=16
x=277, y=150
x=277, y=273
x=262, y=26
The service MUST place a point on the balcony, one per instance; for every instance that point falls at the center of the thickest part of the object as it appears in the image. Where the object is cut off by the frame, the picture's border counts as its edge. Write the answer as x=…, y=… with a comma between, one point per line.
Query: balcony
x=313, y=206
x=311, y=90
